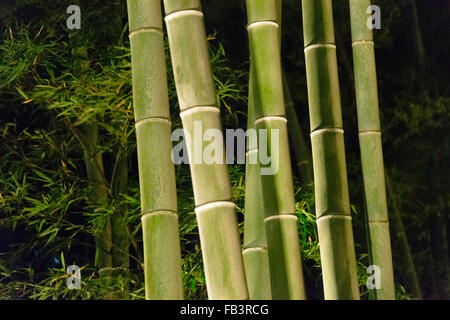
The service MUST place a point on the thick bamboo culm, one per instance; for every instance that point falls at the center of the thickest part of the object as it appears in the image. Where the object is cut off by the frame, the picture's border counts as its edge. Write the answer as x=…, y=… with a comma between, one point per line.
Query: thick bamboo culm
x=162, y=253
x=256, y=258
x=371, y=148
x=334, y=221
x=286, y=278
x=215, y=211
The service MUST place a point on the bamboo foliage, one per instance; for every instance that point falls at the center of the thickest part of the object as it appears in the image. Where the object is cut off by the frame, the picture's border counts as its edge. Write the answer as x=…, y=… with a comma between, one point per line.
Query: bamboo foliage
x=286, y=278
x=215, y=211
x=162, y=254
x=327, y=139
x=371, y=148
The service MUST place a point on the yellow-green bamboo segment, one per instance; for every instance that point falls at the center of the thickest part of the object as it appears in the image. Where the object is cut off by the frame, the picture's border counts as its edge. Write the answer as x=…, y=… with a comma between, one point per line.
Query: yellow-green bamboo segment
x=286, y=278
x=256, y=259
x=162, y=254
x=215, y=211
x=371, y=148
x=327, y=140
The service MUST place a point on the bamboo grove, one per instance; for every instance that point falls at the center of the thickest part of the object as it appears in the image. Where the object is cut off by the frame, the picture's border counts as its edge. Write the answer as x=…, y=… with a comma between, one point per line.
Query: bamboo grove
x=224, y=150
x=271, y=243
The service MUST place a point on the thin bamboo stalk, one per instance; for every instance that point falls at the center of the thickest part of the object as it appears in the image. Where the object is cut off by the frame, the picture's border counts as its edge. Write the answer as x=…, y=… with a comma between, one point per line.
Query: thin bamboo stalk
x=215, y=211
x=103, y=259
x=286, y=278
x=256, y=259
x=162, y=253
x=301, y=151
x=327, y=140
x=402, y=239
x=371, y=149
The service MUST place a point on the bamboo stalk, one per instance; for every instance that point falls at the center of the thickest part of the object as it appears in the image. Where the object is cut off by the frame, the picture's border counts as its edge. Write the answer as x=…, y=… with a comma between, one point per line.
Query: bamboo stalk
x=327, y=140
x=256, y=259
x=286, y=278
x=120, y=254
x=371, y=149
x=215, y=211
x=301, y=151
x=94, y=170
x=162, y=253
x=402, y=239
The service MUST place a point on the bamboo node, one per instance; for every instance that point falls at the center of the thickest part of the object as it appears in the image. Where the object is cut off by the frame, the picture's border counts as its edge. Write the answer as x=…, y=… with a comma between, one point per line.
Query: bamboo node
x=214, y=204
x=145, y=29
x=327, y=216
x=336, y=130
x=363, y=41
x=158, y=212
x=151, y=119
x=271, y=118
x=254, y=249
x=281, y=216
x=265, y=22
x=320, y=45
x=203, y=109
x=189, y=12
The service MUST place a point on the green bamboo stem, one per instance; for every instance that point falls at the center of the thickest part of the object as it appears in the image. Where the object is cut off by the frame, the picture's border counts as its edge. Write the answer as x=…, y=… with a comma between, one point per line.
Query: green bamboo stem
x=120, y=240
x=371, y=149
x=286, y=278
x=120, y=254
x=94, y=170
x=215, y=211
x=418, y=33
x=95, y=175
x=302, y=153
x=162, y=253
x=256, y=259
x=327, y=140
x=402, y=239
